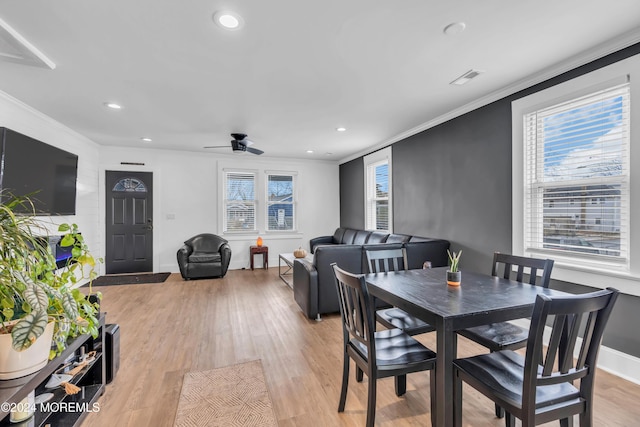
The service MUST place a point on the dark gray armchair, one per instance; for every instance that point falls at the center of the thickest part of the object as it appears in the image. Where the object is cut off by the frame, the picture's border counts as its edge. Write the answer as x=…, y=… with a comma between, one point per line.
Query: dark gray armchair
x=204, y=255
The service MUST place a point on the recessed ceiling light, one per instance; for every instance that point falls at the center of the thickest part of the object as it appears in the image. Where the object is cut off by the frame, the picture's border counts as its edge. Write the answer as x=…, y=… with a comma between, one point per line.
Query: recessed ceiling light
x=341, y=129
x=113, y=105
x=454, y=28
x=146, y=139
x=228, y=20
x=310, y=151
x=328, y=154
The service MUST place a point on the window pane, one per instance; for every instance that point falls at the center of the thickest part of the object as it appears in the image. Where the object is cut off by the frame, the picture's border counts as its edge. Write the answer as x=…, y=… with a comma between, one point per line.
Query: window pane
x=240, y=203
x=280, y=205
x=382, y=215
x=382, y=181
x=583, y=219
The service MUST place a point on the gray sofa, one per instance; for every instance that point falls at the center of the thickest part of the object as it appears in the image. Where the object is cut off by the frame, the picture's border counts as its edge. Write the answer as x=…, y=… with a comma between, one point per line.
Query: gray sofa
x=313, y=283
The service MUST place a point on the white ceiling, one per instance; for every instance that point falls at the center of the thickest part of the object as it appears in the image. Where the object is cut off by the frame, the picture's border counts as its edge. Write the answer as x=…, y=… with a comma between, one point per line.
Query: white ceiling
x=297, y=70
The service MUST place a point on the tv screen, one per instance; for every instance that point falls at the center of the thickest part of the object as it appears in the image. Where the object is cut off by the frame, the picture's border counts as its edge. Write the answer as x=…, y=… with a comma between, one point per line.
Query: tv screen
x=46, y=173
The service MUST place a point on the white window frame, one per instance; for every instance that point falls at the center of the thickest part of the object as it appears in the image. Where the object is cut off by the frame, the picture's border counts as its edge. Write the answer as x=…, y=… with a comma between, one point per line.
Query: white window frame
x=590, y=272
x=370, y=162
x=293, y=203
x=225, y=176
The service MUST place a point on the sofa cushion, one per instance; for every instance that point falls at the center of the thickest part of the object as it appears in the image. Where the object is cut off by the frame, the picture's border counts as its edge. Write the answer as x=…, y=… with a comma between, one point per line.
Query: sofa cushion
x=377, y=237
x=337, y=236
x=397, y=238
x=361, y=237
x=205, y=257
x=348, y=236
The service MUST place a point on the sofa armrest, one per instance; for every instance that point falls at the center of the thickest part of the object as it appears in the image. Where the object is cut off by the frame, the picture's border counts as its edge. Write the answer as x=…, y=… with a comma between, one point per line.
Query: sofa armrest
x=322, y=240
x=305, y=287
x=225, y=255
x=183, y=259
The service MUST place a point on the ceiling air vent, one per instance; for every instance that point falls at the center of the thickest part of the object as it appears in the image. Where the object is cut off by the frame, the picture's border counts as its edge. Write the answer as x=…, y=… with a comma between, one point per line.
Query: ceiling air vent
x=466, y=77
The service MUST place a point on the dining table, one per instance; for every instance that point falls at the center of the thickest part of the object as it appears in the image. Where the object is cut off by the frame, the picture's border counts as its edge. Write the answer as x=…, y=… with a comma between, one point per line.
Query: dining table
x=480, y=299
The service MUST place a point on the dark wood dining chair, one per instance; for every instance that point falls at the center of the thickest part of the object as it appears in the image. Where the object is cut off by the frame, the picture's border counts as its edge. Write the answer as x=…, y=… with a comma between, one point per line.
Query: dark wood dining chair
x=383, y=261
x=386, y=353
x=539, y=387
x=506, y=335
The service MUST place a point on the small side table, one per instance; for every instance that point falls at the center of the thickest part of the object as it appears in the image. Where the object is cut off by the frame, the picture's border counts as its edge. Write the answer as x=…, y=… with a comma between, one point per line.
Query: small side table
x=264, y=250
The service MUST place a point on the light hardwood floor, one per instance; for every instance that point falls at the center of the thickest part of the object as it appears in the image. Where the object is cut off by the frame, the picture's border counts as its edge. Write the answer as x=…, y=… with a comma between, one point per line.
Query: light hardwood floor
x=179, y=326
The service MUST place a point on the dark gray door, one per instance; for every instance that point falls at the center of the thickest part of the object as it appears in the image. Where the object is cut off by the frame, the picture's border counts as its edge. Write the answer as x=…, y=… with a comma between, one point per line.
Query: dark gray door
x=129, y=220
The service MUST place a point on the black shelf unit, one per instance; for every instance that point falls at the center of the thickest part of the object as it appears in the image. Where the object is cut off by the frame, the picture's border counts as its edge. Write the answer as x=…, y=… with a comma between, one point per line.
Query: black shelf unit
x=64, y=410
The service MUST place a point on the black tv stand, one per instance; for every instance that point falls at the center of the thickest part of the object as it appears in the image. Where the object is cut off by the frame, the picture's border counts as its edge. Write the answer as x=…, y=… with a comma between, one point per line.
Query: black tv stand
x=61, y=409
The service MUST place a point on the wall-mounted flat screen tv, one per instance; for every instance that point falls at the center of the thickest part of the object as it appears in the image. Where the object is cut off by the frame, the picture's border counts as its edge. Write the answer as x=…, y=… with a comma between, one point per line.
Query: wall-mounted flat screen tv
x=46, y=173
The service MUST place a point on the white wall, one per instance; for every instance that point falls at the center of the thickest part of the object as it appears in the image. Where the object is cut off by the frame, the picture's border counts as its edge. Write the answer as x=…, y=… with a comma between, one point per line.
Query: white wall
x=187, y=200
x=186, y=186
x=21, y=118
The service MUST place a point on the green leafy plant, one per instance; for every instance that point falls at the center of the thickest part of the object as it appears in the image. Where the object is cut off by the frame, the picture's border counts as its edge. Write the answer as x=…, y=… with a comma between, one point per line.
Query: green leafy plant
x=33, y=290
x=454, y=261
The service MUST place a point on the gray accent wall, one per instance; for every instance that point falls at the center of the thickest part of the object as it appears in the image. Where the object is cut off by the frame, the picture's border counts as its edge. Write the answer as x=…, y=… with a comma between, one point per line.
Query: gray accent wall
x=453, y=181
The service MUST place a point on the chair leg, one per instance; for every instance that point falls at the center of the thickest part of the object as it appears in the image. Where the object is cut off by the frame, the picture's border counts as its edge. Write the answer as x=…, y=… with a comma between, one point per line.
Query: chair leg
x=359, y=374
x=345, y=383
x=401, y=385
x=499, y=411
x=371, y=402
x=457, y=399
x=509, y=420
x=585, y=421
x=432, y=395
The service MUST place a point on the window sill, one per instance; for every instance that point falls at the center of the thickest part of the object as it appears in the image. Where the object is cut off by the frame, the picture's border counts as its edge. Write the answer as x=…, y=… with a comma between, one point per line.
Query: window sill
x=600, y=277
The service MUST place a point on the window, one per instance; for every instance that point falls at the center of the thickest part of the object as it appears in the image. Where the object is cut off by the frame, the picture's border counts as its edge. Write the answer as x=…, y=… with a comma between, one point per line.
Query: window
x=280, y=202
x=378, y=190
x=573, y=173
x=578, y=168
x=239, y=202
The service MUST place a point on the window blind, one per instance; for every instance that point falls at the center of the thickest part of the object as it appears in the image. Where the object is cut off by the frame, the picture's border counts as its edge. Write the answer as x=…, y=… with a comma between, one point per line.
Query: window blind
x=577, y=176
x=240, y=202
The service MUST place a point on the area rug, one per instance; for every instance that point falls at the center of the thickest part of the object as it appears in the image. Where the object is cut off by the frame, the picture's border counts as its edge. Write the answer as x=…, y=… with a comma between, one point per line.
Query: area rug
x=232, y=396
x=130, y=279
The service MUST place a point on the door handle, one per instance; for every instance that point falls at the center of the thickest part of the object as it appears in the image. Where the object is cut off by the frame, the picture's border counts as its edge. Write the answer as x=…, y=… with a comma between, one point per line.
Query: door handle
x=149, y=225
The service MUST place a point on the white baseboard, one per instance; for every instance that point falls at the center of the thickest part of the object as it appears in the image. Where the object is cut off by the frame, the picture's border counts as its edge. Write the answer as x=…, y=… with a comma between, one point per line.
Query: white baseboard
x=613, y=361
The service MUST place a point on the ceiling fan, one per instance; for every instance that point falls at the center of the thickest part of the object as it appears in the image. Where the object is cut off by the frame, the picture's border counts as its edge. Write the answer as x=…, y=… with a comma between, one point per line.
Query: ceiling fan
x=240, y=144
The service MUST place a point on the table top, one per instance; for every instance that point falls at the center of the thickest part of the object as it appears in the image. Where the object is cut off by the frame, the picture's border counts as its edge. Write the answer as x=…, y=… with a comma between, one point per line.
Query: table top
x=255, y=248
x=425, y=293
x=289, y=257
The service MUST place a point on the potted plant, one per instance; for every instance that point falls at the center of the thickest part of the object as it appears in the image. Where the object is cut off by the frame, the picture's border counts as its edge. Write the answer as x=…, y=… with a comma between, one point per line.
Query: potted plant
x=37, y=301
x=454, y=276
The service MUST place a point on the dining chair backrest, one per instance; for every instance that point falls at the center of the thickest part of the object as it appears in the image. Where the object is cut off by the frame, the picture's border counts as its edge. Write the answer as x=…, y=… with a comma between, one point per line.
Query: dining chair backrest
x=504, y=265
x=355, y=308
x=571, y=317
x=385, y=260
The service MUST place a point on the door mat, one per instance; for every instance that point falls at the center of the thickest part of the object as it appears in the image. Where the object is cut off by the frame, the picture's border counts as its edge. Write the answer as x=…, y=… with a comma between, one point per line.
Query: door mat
x=235, y=395
x=130, y=279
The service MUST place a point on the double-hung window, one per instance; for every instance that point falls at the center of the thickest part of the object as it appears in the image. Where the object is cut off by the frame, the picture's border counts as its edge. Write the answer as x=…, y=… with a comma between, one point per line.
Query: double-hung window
x=572, y=169
x=239, y=202
x=281, y=207
x=378, y=191
x=577, y=176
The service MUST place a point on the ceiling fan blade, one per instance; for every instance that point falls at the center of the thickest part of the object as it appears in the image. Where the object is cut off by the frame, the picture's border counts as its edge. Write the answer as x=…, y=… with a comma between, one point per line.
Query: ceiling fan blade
x=216, y=146
x=254, y=151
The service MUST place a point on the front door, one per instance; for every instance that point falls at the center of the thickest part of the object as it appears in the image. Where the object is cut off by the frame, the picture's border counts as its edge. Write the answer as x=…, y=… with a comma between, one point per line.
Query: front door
x=129, y=219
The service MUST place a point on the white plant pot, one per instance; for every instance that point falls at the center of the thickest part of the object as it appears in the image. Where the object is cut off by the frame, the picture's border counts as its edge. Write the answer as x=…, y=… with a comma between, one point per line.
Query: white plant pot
x=16, y=364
